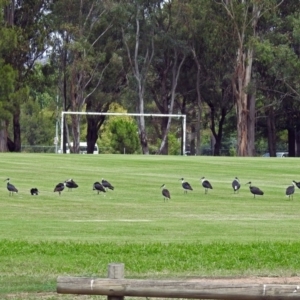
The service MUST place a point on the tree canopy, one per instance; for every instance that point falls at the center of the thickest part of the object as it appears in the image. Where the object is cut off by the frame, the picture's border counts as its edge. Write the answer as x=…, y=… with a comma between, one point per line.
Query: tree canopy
x=231, y=66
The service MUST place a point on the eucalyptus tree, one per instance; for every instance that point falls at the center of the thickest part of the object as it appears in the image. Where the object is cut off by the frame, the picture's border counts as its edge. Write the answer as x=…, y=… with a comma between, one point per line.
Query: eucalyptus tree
x=113, y=82
x=277, y=70
x=110, y=91
x=193, y=75
x=245, y=16
x=138, y=30
x=288, y=64
x=204, y=90
x=171, y=52
x=29, y=22
x=212, y=49
x=7, y=75
x=276, y=108
x=82, y=25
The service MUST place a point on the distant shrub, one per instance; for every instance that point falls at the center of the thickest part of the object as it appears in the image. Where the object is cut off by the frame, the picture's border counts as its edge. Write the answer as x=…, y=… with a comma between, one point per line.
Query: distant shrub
x=124, y=136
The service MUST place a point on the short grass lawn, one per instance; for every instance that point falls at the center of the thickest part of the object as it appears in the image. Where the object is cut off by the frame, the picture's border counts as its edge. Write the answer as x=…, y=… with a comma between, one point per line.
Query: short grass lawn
x=79, y=232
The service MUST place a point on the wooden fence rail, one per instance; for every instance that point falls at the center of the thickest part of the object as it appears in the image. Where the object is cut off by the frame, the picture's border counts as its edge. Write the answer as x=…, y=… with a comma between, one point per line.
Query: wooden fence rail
x=116, y=287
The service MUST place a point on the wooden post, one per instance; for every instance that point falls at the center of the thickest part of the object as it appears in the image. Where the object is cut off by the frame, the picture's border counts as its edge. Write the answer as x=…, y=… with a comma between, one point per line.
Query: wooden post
x=115, y=271
x=115, y=287
x=188, y=289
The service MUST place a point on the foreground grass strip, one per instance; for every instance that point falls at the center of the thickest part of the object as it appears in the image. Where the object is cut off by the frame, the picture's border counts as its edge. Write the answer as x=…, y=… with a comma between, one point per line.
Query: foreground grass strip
x=26, y=267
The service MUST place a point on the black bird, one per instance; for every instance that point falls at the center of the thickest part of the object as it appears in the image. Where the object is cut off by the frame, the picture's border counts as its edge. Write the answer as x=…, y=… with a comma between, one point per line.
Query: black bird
x=297, y=184
x=236, y=184
x=99, y=187
x=165, y=192
x=255, y=190
x=60, y=187
x=206, y=184
x=11, y=188
x=71, y=184
x=34, y=191
x=106, y=184
x=290, y=190
x=185, y=185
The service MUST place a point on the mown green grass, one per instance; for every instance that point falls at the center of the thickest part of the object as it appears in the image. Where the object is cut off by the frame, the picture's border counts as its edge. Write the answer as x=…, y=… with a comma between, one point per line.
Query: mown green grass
x=80, y=232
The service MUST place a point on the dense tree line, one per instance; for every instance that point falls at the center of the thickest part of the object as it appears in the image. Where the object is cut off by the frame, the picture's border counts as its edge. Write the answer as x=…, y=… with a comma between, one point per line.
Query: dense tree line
x=232, y=66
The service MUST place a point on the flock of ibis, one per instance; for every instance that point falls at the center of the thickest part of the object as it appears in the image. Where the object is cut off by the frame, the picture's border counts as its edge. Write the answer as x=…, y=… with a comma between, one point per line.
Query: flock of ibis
x=70, y=184
x=105, y=185
x=290, y=190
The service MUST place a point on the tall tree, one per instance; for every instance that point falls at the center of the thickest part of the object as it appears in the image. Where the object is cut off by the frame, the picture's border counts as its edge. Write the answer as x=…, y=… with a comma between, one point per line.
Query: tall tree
x=7, y=75
x=245, y=16
x=138, y=37
x=83, y=62
x=212, y=49
x=277, y=71
x=30, y=22
x=172, y=49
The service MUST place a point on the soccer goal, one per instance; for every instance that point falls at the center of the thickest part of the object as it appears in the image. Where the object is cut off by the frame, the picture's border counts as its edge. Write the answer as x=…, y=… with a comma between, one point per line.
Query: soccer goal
x=63, y=113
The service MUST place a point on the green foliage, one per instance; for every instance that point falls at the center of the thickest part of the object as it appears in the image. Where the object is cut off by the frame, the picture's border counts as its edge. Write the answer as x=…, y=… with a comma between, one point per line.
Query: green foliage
x=104, y=142
x=90, y=41
x=124, y=137
x=173, y=145
x=20, y=96
x=43, y=82
x=7, y=79
x=265, y=52
x=7, y=73
x=38, y=126
x=296, y=28
x=7, y=76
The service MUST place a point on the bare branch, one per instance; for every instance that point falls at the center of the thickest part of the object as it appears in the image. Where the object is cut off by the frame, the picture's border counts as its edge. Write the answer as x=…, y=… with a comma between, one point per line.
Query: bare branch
x=127, y=49
x=98, y=83
x=97, y=39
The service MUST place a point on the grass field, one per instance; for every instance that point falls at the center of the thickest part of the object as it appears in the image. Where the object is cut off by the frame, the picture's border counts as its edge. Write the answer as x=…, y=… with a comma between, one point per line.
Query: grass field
x=80, y=232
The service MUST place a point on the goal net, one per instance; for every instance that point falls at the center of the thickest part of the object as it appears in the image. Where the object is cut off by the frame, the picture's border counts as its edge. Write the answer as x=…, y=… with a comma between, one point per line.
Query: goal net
x=63, y=113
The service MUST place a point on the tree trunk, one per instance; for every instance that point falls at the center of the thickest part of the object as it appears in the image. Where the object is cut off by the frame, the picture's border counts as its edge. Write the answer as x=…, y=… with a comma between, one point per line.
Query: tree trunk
x=65, y=94
x=199, y=104
x=3, y=137
x=164, y=124
x=217, y=147
x=297, y=144
x=248, y=20
x=291, y=141
x=218, y=135
x=183, y=111
x=76, y=132
x=9, y=13
x=141, y=120
x=140, y=67
x=175, y=75
x=143, y=135
x=94, y=122
x=218, y=142
x=251, y=124
x=240, y=84
x=17, y=130
x=193, y=140
x=92, y=134
x=271, y=131
x=75, y=93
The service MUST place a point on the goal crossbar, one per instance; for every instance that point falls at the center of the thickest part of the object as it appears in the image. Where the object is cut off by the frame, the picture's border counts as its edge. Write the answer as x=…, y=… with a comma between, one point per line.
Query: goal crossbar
x=63, y=113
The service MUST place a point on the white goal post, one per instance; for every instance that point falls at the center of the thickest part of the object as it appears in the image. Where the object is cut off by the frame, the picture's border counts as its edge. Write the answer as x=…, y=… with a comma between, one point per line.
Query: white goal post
x=63, y=113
